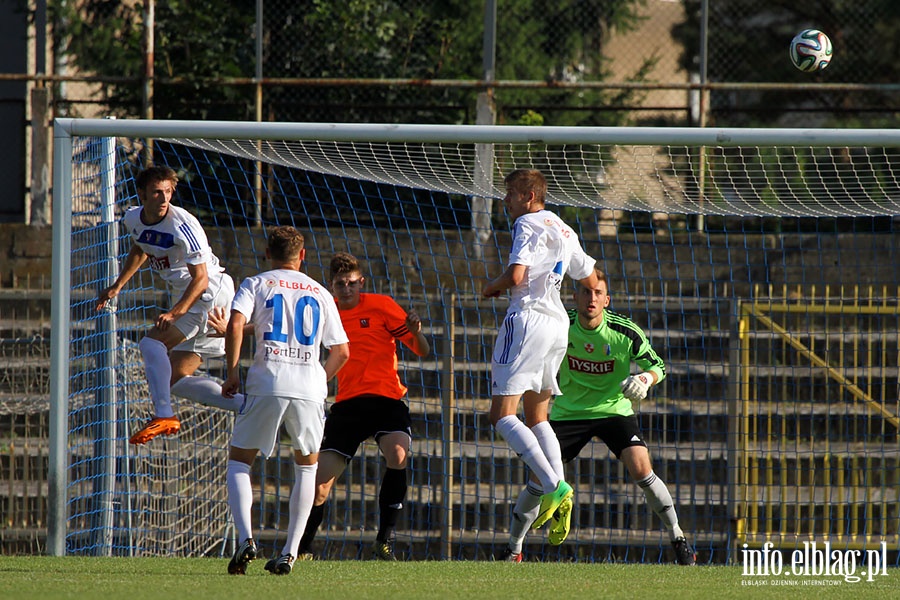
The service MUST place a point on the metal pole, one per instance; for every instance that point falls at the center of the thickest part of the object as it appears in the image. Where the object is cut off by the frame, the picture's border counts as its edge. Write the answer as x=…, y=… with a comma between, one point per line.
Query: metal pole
x=149, y=51
x=257, y=176
x=704, y=99
x=448, y=425
x=59, y=342
x=107, y=357
x=485, y=114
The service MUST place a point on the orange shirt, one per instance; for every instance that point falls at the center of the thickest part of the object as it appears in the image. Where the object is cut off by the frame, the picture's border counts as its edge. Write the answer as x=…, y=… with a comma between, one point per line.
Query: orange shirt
x=373, y=328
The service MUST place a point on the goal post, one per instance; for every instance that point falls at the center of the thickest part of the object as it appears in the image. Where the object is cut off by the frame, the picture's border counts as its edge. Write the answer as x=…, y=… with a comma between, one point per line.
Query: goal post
x=778, y=324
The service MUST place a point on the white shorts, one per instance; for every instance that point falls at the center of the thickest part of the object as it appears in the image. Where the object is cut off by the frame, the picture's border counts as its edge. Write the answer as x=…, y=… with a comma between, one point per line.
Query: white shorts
x=260, y=419
x=529, y=349
x=193, y=324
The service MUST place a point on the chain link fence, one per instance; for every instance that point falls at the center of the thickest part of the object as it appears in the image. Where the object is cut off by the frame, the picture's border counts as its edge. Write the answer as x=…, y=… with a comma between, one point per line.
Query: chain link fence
x=591, y=62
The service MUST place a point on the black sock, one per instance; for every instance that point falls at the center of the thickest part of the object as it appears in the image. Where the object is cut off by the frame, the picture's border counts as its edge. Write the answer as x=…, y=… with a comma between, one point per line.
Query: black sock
x=390, y=502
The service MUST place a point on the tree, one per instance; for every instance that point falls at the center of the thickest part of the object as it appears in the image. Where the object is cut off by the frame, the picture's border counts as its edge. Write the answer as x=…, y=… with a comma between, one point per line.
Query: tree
x=201, y=40
x=748, y=42
x=196, y=40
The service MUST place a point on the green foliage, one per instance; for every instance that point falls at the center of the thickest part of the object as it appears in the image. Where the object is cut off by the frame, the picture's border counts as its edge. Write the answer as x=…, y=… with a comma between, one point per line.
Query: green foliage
x=749, y=40
x=200, y=40
x=195, y=40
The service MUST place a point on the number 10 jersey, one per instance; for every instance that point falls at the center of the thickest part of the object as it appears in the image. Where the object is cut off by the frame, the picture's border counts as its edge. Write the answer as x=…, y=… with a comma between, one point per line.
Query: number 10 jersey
x=293, y=316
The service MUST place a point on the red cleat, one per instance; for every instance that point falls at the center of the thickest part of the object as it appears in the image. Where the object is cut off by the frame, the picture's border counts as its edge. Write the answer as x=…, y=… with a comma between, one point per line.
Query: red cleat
x=157, y=426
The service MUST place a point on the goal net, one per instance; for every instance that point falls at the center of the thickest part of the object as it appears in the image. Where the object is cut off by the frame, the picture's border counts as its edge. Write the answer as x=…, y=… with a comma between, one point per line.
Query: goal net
x=762, y=264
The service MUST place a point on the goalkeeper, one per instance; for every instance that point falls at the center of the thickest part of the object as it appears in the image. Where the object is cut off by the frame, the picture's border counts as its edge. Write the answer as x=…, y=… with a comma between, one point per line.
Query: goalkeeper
x=597, y=392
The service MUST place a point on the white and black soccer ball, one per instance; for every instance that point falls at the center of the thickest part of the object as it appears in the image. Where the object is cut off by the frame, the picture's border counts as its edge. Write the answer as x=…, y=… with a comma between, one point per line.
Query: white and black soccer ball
x=811, y=50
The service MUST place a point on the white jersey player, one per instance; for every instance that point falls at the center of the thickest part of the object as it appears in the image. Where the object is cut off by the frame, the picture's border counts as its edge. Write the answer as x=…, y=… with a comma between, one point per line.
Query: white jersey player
x=293, y=317
x=175, y=246
x=531, y=342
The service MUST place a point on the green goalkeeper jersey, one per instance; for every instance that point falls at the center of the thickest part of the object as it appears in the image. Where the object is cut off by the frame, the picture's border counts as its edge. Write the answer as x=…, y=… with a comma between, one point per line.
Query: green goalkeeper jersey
x=596, y=363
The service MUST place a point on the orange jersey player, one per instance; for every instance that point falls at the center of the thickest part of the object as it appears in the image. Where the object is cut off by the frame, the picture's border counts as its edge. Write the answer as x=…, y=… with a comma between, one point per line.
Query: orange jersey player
x=369, y=401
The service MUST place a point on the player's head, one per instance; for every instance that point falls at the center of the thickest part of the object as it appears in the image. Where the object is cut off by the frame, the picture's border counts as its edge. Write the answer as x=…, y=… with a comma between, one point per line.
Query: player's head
x=155, y=187
x=526, y=190
x=346, y=279
x=285, y=245
x=591, y=302
x=157, y=174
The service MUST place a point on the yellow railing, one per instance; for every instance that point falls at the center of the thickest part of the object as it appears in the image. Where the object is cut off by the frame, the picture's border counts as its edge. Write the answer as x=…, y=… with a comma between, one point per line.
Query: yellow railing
x=817, y=421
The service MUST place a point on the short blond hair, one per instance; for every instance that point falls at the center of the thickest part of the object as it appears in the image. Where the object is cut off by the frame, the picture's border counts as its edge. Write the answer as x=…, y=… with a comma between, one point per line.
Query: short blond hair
x=528, y=180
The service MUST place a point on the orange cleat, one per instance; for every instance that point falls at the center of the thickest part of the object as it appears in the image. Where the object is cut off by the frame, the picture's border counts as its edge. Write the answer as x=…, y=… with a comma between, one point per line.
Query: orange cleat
x=157, y=426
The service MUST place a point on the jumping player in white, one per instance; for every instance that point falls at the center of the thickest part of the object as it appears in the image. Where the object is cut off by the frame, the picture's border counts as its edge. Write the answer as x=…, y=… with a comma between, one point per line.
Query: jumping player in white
x=293, y=316
x=174, y=243
x=532, y=339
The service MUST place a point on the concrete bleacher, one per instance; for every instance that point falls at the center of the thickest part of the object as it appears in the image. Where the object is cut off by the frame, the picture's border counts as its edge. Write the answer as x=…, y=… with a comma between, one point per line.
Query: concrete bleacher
x=686, y=423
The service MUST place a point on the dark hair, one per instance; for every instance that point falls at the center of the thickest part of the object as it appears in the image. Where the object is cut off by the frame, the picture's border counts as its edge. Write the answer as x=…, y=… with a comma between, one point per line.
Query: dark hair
x=158, y=173
x=528, y=180
x=285, y=243
x=343, y=263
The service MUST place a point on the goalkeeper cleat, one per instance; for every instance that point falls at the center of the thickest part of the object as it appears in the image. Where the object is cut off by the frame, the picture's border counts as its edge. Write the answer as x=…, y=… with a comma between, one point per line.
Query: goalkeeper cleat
x=306, y=556
x=242, y=557
x=281, y=565
x=157, y=426
x=383, y=551
x=684, y=554
x=562, y=521
x=509, y=556
x=550, y=502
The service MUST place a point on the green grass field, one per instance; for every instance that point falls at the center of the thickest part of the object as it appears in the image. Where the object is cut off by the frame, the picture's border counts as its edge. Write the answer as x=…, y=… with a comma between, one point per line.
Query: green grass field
x=24, y=577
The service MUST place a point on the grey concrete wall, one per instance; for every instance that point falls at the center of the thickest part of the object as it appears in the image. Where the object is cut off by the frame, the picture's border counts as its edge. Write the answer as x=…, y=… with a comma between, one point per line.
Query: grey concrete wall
x=683, y=264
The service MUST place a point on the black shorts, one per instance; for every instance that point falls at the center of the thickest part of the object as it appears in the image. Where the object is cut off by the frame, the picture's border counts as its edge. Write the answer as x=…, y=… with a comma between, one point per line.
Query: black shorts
x=616, y=432
x=353, y=421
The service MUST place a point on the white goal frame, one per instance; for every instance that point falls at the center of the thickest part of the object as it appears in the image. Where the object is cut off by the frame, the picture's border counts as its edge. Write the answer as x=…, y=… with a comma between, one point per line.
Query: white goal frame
x=65, y=129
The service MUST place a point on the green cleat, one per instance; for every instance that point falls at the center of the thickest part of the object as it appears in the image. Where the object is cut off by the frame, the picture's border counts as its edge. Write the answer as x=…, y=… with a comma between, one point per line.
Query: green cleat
x=562, y=520
x=550, y=502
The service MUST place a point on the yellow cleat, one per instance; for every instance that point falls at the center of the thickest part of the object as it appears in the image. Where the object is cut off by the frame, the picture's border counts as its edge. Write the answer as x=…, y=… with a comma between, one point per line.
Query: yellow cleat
x=550, y=502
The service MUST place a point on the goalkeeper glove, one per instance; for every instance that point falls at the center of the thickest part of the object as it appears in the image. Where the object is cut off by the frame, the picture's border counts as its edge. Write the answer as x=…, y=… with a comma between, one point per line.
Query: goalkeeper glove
x=635, y=388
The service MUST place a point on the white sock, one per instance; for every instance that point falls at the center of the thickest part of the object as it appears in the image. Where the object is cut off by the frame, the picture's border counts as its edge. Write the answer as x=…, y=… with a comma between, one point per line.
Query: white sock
x=546, y=437
x=159, y=373
x=524, y=443
x=240, y=497
x=206, y=391
x=302, y=496
x=524, y=513
x=660, y=501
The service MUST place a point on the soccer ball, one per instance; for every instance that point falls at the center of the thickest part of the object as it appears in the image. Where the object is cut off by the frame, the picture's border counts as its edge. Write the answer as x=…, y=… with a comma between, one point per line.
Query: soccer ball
x=810, y=50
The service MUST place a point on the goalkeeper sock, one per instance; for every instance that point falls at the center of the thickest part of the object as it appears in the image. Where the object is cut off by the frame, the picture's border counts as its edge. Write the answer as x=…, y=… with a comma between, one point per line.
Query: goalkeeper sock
x=660, y=501
x=524, y=443
x=159, y=374
x=524, y=513
x=240, y=497
x=312, y=526
x=206, y=391
x=390, y=502
x=302, y=496
x=546, y=437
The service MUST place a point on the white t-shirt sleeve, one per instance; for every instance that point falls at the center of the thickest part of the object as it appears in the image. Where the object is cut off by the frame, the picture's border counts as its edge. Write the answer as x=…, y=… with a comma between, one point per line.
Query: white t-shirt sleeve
x=580, y=264
x=244, y=299
x=525, y=243
x=193, y=239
